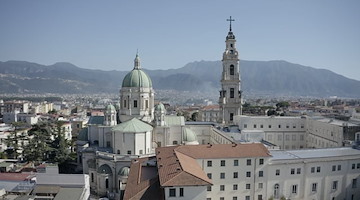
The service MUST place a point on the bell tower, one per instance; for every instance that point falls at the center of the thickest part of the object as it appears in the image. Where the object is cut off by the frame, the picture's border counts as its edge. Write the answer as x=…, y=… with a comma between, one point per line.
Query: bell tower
x=230, y=93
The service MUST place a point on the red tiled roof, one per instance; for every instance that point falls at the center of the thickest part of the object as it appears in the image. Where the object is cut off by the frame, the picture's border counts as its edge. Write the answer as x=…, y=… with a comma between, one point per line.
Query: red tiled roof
x=14, y=176
x=211, y=107
x=224, y=151
x=177, y=165
x=142, y=186
x=177, y=169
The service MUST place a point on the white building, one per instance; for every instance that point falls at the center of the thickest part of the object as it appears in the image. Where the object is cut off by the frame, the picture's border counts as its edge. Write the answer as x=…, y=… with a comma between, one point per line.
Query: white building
x=284, y=132
x=300, y=132
x=246, y=171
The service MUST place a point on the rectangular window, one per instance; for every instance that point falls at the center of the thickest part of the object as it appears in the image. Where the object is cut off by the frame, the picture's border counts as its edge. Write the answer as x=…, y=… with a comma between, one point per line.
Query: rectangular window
x=245, y=125
x=236, y=162
x=353, y=166
x=260, y=197
x=181, y=192
x=208, y=188
x=254, y=125
x=261, y=173
x=222, y=175
x=261, y=161
x=279, y=126
x=231, y=116
x=247, y=186
x=279, y=137
x=317, y=169
x=294, y=189
x=269, y=126
x=339, y=167
x=222, y=187
x=287, y=137
x=334, y=168
x=222, y=163
x=334, y=185
x=298, y=171
x=235, y=175
x=248, y=174
x=312, y=169
x=92, y=177
x=301, y=137
x=314, y=187
x=261, y=126
x=232, y=91
x=147, y=106
x=293, y=137
x=354, y=183
x=277, y=173
x=235, y=198
x=209, y=175
x=129, y=152
x=209, y=163
x=292, y=171
x=260, y=185
x=235, y=187
x=135, y=103
x=248, y=162
x=124, y=103
x=358, y=166
x=172, y=192
x=247, y=197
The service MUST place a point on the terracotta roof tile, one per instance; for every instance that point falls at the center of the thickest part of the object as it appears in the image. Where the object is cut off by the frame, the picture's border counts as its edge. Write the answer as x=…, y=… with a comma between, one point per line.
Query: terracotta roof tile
x=139, y=187
x=224, y=151
x=15, y=176
x=177, y=169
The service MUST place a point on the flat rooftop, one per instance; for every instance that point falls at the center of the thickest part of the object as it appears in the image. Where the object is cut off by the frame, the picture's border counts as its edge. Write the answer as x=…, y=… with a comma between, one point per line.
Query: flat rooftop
x=313, y=153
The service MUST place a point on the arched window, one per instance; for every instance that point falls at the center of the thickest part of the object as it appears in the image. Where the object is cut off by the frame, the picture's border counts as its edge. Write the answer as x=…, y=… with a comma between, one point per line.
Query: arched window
x=276, y=191
x=232, y=70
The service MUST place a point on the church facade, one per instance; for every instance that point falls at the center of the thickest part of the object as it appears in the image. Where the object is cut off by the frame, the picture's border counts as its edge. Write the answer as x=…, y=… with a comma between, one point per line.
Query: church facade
x=131, y=129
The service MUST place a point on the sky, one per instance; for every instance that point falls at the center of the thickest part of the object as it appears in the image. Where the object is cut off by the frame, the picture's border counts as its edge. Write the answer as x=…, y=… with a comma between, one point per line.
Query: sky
x=106, y=35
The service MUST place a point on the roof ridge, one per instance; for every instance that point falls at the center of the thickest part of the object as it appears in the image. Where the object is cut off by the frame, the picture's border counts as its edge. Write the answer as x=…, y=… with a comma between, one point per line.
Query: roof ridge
x=176, y=152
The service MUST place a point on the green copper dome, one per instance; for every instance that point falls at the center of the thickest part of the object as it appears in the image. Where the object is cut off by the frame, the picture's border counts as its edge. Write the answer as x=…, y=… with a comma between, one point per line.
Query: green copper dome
x=137, y=77
x=189, y=135
x=110, y=108
x=160, y=107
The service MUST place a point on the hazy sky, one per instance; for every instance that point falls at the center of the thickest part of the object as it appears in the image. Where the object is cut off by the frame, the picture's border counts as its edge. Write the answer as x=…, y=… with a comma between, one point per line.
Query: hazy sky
x=106, y=34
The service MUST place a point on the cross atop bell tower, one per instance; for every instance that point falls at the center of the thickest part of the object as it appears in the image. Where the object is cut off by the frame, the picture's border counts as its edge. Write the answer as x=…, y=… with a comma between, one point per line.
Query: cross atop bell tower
x=230, y=20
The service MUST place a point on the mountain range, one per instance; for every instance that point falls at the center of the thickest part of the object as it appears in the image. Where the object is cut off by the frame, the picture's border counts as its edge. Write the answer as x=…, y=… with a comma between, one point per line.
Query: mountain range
x=270, y=78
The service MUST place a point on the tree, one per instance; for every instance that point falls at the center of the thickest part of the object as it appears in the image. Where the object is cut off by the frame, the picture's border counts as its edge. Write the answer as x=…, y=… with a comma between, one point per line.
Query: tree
x=60, y=145
x=15, y=140
x=38, y=148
